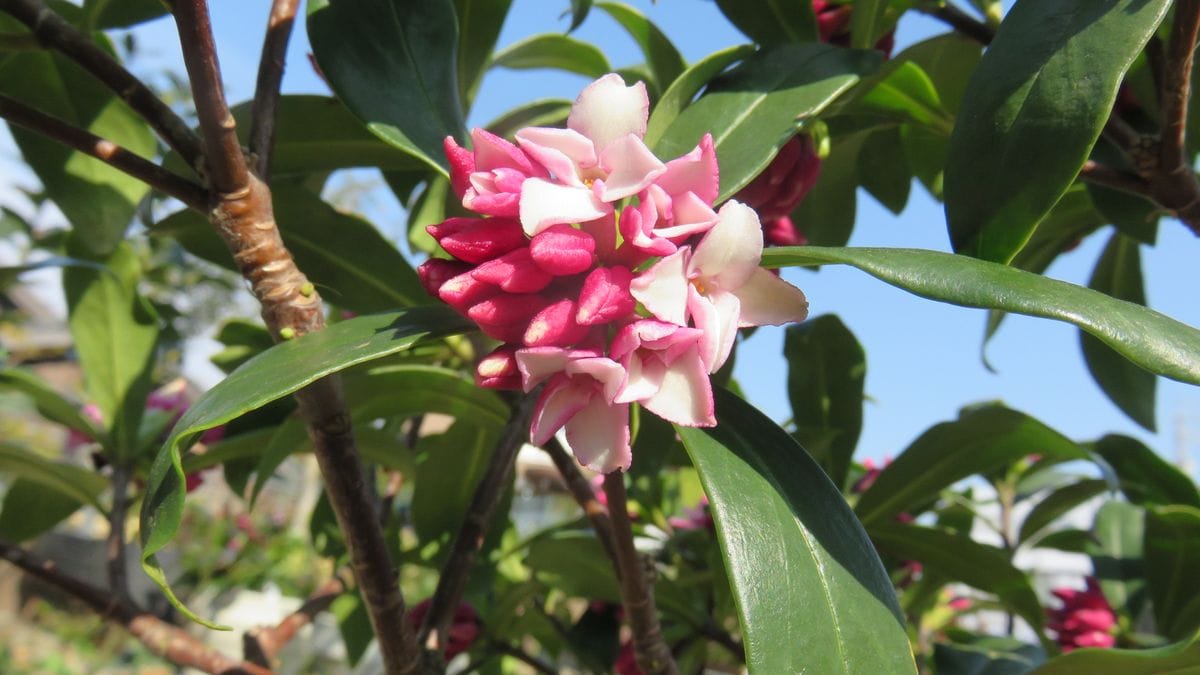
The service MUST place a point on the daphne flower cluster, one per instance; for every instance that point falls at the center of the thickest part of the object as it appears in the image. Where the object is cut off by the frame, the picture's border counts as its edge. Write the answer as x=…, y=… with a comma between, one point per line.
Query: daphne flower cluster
x=608, y=274
x=1085, y=618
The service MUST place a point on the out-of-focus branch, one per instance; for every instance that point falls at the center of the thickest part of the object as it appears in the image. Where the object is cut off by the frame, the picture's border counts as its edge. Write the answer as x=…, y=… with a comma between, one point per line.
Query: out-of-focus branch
x=118, y=581
x=104, y=150
x=581, y=489
x=262, y=645
x=161, y=638
x=1107, y=176
x=55, y=32
x=637, y=595
x=959, y=21
x=266, y=91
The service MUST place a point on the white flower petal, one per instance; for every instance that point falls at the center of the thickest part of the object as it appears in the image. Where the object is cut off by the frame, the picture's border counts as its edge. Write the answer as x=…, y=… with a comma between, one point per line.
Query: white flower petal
x=767, y=300
x=630, y=166
x=685, y=394
x=717, y=316
x=663, y=289
x=564, y=153
x=599, y=436
x=560, y=401
x=544, y=204
x=607, y=110
x=730, y=252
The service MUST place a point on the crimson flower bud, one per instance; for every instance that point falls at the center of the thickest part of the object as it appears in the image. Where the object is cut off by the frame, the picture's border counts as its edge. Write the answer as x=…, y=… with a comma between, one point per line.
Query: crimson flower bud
x=477, y=240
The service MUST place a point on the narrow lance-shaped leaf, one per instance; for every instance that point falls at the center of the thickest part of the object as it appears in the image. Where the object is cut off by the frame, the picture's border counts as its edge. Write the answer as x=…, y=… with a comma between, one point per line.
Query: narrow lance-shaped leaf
x=662, y=57
x=1033, y=110
x=1172, y=550
x=51, y=404
x=552, y=50
x=685, y=87
x=479, y=24
x=1058, y=503
x=1179, y=658
x=1146, y=478
x=1119, y=273
x=1155, y=342
x=1116, y=551
x=778, y=518
x=275, y=373
x=71, y=481
x=772, y=22
x=868, y=23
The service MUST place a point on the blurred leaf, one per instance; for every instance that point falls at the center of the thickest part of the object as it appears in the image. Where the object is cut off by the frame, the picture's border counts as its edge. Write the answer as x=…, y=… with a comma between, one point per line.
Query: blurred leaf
x=350, y=262
x=1172, y=550
x=51, y=404
x=1155, y=342
x=826, y=370
x=243, y=339
x=1118, y=273
x=546, y=112
x=72, y=482
x=479, y=24
x=753, y=109
x=1034, y=108
x=9, y=273
x=579, y=12
x=553, y=50
x=275, y=373
x=883, y=169
x=985, y=658
x=981, y=440
x=868, y=23
x=1145, y=477
x=772, y=22
x=453, y=463
x=98, y=200
x=429, y=209
x=1116, y=552
x=108, y=14
x=29, y=509
x=1058, y=503
x=407, y=390
x=1069, y=540
x=394, y=64
x=574, y=563
x=354, y=623
x=662, y=57
x=116, y=339
x=1178, y=659
x=1132, y=215
x=774, y=508
x=685, y=87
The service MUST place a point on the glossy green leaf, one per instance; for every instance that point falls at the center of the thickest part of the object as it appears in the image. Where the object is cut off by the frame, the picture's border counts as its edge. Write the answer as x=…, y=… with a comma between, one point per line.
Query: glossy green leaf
x=1133, y=216
x=1155, y=342
x=574, y=563
x=553, y=50
x=73, y=482
x=1177, y=659
x=960, y=558
x=116, y=338
x=447, y=474
x=1058, y=503
x=754, y=108
x=1118, y=273
x=29, y=509
x=479, y=24
x=547, y=112
x=394, y=64
x=51, y=404
x=903, y=93
x=981, y=440
x=98, y=200
x=1116, y=552
x=1172, y=551
x=883, y=169
x=772, y=22
x=826, y=370
x=1145, y=477
x=662, y=57
x=107, y=14
x=685, y=87
x=276, y=373
x=826, y=215
x=351, y=263
x=868, y=23
x=407, y=390
x=776, y=510
x=1032, y=112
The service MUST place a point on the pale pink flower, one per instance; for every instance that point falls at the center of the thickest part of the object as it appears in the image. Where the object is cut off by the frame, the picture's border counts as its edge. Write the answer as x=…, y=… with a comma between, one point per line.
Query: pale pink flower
x=664, y=372
x=488, y=180
x=677, y=205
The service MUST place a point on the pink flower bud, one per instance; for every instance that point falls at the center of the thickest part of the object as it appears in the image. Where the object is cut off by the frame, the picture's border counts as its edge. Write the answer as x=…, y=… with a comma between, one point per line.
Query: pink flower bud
x=462, y=164
x=465, y=626
x=477, y=240
x=514, y=272
x=498, y=370
x=506, y=316
x=605, y=296
x=555, y=326
x=782, y=232
x=464, y=291
x=1085, y=618
x=437, y=271
x=563, y=250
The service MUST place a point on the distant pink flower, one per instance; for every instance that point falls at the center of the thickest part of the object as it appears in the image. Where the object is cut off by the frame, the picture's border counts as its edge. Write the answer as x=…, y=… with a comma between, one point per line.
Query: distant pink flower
x=1085, y=618
x=465, y=627
x=775, y=192
x=833, y=24
x=699, y=517
x=626, y=663
x=960, y=603
x=78, y=439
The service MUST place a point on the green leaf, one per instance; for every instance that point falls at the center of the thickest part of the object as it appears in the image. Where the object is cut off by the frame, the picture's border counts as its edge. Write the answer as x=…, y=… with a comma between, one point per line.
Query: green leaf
x=826, y=215
x=1058, y=503
x=1118, y=273
x=662, y=57
x=394, y=64
x=574, y=563
x=479, y=24
x=108, y=14
x=1145, y=477
x=868, y=23
x=351, y=263
x=1116, y=552
x=988, y=655
x=960, y=558
x=546, y=112
x=685, y=87
x=354, y=623
x=1172, y=550
x=243, y=339
x=51, y=404
x=1177, y=659
x=778, y=517
x=29, y=509
x=275, y=373
x=903, y=93
x=9, y=273
x=883, y=169
x=1155, y=342
x=407, y=390
x=553, y=50
x=772, y=22
x=75, y=483
x=116, y=337
x=1032, y=112
x=579, y=12
x=981, y=440
x=98, y=200
x=826, y=370
x=753, y=109
x=447, y=475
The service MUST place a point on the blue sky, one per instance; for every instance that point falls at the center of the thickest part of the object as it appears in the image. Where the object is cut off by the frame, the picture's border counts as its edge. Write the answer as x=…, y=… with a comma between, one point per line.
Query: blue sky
x=923, y=357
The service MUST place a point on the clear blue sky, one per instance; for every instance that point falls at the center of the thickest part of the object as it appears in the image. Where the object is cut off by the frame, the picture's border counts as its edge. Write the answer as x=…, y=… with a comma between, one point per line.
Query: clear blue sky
x=923, y=357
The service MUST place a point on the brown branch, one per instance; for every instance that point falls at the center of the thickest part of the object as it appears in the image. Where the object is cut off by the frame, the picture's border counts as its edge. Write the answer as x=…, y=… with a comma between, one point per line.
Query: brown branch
x=104, y=150
x=519, y=654
x=1100, y=174
x=453, y=580
x=959, y=21
x=159, y=637
x=1177, y=84
x=262, y=645
x=118, y=582
x=55, y=32
x=266, y=91
x=581, y=489
x=243, y=216
x=653, y=654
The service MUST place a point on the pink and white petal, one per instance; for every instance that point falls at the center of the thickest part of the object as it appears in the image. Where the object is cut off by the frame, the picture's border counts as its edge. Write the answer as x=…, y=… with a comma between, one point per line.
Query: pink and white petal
x=644, y=378
x=599, y=436
x=561, y=400
x=690, y=215
x=685, y=394
x=563, y=152
x=730, y=252
x=609, y=373
x=767, y=300
x=694, y=172
x=607, y=110
x=663, y=289
x=544, y=204
x=716, y=315
x=539, y=363
x=493, y=152
x=630, y=166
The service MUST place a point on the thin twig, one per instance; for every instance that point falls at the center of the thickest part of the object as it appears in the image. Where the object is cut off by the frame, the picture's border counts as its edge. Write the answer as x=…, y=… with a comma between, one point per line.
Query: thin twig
x=266, y=91
x=1107, y=176
x=1177, y=83
x=55, y=32
x=159, y=637
x=469, y=539
x=118, y=582
x=653, y=654
x=104, y=150
x=519, y=654
x=262, y=645
x=581, y=489
x=959, y=21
